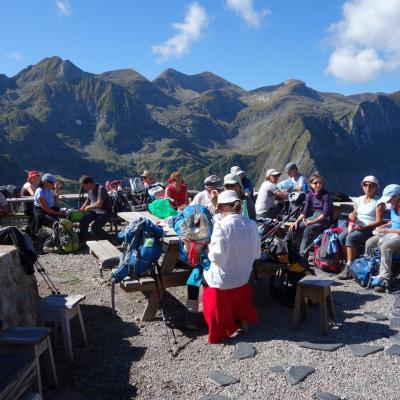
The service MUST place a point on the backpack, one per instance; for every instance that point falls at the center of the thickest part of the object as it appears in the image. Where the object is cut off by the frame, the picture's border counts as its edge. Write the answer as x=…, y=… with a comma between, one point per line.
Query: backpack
x=194, y=227
x=327, y=250
x=144, y=247
x=64, y=236
x=10, y=191
x=364, y=268
x=136, y=184
x=156, y=191
x=119, y=202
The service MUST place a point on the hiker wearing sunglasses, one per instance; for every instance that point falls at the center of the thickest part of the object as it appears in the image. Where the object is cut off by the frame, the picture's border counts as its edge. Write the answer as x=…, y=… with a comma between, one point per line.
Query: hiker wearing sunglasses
x=316, y=215
x=176, y=191
x=366, y=216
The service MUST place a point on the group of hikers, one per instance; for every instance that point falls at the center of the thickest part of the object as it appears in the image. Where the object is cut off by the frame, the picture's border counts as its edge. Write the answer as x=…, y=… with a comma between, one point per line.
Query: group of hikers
x=235, y=241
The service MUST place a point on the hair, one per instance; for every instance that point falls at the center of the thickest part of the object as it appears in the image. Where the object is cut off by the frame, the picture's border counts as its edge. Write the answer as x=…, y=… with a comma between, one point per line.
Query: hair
x=235, y=207
x=313, y=177
x=174, y=175
x=85, y=179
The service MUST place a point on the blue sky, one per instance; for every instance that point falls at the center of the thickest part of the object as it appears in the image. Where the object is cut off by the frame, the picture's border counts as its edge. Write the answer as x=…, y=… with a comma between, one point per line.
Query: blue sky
x=252, y=43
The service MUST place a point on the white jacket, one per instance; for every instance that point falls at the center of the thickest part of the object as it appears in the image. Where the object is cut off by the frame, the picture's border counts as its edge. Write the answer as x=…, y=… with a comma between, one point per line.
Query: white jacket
x=235, y=244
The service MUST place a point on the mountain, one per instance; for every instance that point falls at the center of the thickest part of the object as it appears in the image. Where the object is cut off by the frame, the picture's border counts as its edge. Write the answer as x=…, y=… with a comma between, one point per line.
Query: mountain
x=55, y=117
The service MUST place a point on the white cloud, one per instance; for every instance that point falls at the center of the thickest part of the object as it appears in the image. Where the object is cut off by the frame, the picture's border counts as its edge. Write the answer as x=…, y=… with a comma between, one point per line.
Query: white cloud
x=64, y=8
x=188, y=31
x=246, y=11
x=366, y=40
x=13, y=55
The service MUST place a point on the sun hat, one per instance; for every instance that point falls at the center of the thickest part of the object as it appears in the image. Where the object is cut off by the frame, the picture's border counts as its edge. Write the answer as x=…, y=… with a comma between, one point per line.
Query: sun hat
x=389, y=192
x=232, y=179
x=213, y=181
x=147, y=173
x=272, y=172
x=227, y=197
x=49, y=178
x=32, y=174
x=289, y=166
x=236, y=170
x=370, y=178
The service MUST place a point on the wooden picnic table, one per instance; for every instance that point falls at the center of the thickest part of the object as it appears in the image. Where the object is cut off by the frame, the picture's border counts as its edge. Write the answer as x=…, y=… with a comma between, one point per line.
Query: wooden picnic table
x=168, y=275
x=18, y=200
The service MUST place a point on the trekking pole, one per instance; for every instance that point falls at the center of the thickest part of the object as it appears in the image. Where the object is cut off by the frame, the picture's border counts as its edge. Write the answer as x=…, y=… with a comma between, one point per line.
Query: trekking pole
x=45, y=276
x=160, y=306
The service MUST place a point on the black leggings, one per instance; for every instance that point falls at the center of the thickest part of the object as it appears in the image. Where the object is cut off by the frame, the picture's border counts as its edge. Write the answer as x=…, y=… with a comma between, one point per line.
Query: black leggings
x=43, y=219
x=193, y=292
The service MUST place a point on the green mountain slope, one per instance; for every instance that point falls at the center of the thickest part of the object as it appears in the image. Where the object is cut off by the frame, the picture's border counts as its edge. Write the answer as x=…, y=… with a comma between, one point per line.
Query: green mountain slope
x=55, y=117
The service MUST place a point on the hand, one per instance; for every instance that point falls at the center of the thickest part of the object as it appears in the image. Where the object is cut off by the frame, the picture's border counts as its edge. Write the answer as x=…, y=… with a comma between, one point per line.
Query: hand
x=358, y=227
x=214, y=194
x=294, y=226
x=382, y=230
x=57, y=186
x=307, y=222
x=82, y=209
x=353, y=216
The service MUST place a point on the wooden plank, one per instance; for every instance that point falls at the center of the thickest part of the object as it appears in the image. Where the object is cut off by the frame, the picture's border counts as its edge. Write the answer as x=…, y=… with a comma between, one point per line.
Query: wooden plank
x=173, y=279
x=109, y=248
x=96, y=250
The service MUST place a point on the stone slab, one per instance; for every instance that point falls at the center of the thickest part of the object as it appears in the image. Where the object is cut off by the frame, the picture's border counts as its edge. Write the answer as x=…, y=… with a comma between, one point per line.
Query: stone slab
x=321, y=395
x=298, y=373
x=214, y=397
x=395, y=313
x=393, y=350
x=221, y=379
x=396, y=302
x=320, y=346
x=277, y=369
x=363, y=350
x=244, y=350
x=376, y=316
x=394, y=323
x=395, y=338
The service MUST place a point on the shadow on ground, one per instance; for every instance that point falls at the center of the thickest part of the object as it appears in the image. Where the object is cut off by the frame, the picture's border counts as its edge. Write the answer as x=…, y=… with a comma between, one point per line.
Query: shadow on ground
x=101, y=370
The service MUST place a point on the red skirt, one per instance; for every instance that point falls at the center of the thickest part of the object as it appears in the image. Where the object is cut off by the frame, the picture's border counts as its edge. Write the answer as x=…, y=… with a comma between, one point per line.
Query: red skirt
x=224, y=309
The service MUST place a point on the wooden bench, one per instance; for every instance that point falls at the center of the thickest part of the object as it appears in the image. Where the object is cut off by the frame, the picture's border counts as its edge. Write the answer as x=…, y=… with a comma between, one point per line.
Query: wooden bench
x=151, y=287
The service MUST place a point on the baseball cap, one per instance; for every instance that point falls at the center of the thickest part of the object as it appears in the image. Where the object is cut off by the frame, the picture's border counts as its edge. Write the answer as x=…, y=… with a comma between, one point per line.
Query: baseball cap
x=32, y=174
x=232, y=179
x=289, y=166
x=213, y=181
x=236, y=170
x=49, y=178
x=272, y=172
x=370, y=178
x=389, y=192
x=227, y=197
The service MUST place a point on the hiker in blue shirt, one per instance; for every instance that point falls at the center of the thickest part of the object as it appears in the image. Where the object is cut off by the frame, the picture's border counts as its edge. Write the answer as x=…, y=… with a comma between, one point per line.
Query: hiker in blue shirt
x=247, y=184
x=297, y=180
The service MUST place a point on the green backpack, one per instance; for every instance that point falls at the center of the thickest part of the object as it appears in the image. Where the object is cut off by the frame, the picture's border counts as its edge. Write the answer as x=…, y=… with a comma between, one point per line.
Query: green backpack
x=67, y=238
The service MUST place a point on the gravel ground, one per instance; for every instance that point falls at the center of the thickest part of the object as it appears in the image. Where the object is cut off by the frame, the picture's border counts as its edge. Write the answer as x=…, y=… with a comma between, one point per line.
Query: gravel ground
x=124, y=361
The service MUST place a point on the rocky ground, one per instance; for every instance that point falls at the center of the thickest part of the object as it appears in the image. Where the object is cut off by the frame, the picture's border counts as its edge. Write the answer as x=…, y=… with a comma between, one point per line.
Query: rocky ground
x=125, y=361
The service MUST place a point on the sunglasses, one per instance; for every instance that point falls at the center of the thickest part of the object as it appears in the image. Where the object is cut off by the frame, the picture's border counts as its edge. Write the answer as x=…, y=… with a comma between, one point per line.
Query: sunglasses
x=366, y=184
x=317, y=183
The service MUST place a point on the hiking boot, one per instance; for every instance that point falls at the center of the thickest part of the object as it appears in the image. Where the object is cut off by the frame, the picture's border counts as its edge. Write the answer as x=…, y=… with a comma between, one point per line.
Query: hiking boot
x=191, y=322
x=50, y=249
x=345, y=274
x=383, y=285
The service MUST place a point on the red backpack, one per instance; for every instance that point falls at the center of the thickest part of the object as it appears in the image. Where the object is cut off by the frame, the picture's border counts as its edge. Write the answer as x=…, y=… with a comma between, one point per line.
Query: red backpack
x=327, y=252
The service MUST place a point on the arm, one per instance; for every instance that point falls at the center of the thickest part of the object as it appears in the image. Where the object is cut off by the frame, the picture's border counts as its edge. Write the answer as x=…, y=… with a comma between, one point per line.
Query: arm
x=168, y=195
x=101, y=197
x=281, y=195
x=84, y=205
x=326, y=210
x=46, y=209
x=30, y=190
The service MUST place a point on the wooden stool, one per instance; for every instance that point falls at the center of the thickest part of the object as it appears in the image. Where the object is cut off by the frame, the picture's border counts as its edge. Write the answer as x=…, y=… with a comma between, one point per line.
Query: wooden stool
x=62, y=308
x=33, y=341
x=315, y=289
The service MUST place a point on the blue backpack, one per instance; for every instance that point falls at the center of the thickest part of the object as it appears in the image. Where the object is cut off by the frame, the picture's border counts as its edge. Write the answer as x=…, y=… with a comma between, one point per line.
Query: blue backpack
x=363, y=268
x=144, y=247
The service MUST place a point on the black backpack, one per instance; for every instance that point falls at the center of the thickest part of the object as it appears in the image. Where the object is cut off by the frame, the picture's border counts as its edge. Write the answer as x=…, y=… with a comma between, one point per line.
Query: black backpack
x=119, y=202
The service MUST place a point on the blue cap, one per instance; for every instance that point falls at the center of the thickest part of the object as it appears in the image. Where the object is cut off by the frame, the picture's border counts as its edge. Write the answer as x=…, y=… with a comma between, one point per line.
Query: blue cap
x=49, y=178
x=389, y=192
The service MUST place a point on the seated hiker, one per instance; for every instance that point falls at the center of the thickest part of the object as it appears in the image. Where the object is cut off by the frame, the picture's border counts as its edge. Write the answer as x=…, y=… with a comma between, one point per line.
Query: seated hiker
x=4, y=207
x=28, y=189
x=209, y=196
x=316, y=215
x=233, y=182
x=227, y=295
x=268, y=193
x=366, y=216
x=298, y=181
x=148, y=178
x=176, y=191
x=97, y=209
x=388, y=238
x=247, y=184
x=45, y=209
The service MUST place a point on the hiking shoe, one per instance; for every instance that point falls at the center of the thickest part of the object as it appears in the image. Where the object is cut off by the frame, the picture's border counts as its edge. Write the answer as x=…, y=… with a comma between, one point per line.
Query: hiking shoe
x=191, y=322
x=383, y=286
x=50, y=249
x=345, y=274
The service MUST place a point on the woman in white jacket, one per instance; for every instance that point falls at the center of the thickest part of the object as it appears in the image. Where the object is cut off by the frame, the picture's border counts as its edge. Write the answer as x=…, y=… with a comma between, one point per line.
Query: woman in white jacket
x=235, y=244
